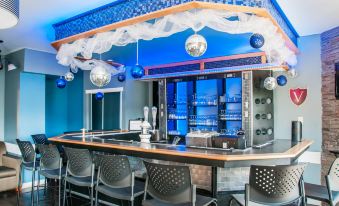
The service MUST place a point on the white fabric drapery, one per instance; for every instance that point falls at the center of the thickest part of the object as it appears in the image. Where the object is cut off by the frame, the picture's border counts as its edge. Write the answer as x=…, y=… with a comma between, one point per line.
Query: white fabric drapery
x=219, y=20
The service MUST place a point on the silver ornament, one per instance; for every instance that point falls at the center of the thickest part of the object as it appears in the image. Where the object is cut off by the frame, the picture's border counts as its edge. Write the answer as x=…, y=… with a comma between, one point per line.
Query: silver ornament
x=292, y=73
x=270, y=83
x=196, y=45
x=100, y=76
x=69, y=76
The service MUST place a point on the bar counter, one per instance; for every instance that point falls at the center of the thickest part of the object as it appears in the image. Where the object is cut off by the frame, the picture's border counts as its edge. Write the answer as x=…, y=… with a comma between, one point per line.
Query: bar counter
x=279, y=152
x=217, y=160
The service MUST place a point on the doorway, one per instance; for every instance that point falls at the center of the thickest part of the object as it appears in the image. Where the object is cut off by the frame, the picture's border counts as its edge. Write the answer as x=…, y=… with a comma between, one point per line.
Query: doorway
x=104, y=114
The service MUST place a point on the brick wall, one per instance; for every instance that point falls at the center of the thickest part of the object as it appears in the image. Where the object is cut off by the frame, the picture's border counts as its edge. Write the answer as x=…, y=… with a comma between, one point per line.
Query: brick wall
x=330, y=119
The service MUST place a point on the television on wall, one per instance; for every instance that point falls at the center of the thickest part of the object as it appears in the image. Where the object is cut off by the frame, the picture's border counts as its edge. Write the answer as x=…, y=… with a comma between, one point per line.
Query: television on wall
x=337, y=80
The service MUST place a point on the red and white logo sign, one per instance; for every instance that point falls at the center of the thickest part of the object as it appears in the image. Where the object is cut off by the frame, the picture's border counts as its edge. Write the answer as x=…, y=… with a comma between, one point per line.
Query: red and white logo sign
x=298, y=95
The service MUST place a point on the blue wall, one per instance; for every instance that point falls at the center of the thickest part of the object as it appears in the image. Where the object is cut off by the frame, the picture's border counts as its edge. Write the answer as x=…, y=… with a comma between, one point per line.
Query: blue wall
x=31, y=105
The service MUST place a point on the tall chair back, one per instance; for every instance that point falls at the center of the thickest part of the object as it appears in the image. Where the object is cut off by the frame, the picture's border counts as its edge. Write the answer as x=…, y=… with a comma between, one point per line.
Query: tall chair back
x=115, y=171
x=79, y=162
x=169, y=183
x=40, y=139
x=27, y=151
x=271, y=185
x=332, y=180
x=50, y=158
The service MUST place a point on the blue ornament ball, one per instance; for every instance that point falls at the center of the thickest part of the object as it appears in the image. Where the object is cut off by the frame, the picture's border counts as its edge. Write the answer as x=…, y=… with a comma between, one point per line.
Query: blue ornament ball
x=282, y=80
x=99, y=96
x=257, y=41
x=137, y=71
x=121, y=77
x=61, y=83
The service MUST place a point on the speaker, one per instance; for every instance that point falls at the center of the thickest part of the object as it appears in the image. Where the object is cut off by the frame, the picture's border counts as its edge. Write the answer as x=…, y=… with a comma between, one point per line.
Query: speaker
x=297, y=131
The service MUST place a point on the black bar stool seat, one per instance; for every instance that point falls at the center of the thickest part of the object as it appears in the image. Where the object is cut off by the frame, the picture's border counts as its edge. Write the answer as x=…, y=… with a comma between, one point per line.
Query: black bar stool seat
x=200, y=200
x=53, y=174
x=81, y=181
x=122, y=193
x=319, y=192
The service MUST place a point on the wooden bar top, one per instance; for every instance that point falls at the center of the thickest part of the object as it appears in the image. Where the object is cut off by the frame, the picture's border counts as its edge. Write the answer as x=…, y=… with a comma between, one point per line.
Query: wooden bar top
x=280, y=149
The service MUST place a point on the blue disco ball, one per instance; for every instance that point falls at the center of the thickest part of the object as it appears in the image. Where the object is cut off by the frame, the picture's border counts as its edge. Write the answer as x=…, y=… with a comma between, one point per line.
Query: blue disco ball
x=61, y=83
x=257, y=41
x=137, y=71
x=121, y=77
x=282, y=80
x=99, y=96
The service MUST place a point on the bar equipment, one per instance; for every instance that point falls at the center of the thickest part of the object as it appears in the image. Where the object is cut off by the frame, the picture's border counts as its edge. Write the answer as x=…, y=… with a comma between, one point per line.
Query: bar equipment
x=296, y=131
x=155, y=132
x=145, y=126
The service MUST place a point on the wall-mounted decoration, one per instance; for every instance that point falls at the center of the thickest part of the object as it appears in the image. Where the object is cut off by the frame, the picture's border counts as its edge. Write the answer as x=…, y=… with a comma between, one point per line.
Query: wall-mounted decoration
x=69, y=76
x=281, y=80
x=99, y=96
x=270, y=83
x=257, y=41
x=196, y=45
x=61, y=83
x=121, y=77
x=298, y=96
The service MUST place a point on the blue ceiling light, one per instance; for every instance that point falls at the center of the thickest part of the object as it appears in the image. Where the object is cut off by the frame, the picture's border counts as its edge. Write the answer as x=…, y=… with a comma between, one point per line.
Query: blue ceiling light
x=61, y=83
x=99, y=96
x=121, y=77
x=281, y=80
x=257, y=41
x=9, y=13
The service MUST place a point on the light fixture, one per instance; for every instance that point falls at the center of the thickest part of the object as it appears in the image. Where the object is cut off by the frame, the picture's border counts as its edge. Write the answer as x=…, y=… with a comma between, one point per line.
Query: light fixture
x=9, y=13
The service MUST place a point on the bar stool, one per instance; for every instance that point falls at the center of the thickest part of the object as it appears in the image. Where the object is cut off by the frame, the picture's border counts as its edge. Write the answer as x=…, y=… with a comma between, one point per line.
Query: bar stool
x=29, y=162
x=273, y=185
x=40, y=139
x=116, y=179
x=50, y=166
x=171, y=185
x=79, y=170
x=328, y=193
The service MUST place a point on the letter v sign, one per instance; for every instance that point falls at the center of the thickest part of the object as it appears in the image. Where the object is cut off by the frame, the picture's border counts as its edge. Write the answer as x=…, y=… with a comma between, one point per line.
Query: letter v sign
x=298, y=95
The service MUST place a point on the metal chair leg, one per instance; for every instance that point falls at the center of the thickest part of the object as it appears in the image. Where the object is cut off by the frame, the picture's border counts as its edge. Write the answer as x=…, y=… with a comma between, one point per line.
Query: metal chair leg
x=91, y=196
x=32, y=191
x=45, y=186
x=59, y=202
x=132, y=203
x=96, y=197
x=63, y=201
x=38, y=186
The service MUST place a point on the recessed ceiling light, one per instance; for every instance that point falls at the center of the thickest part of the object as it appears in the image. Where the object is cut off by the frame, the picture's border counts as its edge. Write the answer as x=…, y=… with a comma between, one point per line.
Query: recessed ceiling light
x=9, y=13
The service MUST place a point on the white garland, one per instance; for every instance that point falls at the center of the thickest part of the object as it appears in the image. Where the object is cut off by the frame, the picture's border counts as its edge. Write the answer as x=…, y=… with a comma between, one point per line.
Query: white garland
x=274, y=46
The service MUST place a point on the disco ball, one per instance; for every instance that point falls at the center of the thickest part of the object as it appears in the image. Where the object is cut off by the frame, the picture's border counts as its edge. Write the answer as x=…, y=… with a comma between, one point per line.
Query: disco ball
x=137, y=71
x=69, y=76
x=100, y=76
x=99, y=96
x=292, y=73
x=121, y=77
x=270, y=83
x=196, y=45
x=281, y=80
x=257, y=41
x=61, y=83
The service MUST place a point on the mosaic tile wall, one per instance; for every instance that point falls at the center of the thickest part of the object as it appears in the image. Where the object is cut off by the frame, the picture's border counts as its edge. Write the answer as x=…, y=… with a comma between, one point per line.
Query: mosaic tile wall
x=122, y=10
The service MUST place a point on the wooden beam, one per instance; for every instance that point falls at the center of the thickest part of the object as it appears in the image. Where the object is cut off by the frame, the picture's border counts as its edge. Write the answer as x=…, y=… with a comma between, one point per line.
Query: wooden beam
x=176, y=9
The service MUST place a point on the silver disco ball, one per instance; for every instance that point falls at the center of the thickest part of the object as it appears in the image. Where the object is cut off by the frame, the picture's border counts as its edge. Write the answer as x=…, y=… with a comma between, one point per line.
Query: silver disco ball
x=270, y=83
x=100, y=76
x=196, y=45
x=69, y=76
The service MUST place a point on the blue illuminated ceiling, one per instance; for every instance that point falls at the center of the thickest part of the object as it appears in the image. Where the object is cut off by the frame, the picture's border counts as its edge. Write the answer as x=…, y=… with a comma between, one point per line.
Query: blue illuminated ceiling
x=122, y=10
